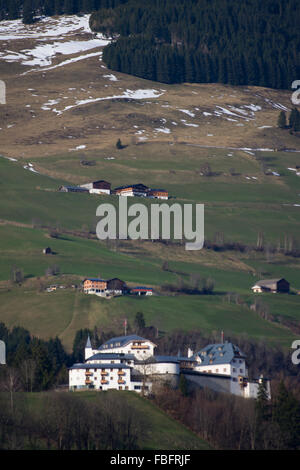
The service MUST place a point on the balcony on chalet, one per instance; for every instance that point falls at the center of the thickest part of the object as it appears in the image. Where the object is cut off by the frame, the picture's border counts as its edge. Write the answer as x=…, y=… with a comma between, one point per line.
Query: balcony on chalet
x=103, y=372
x=88, y=373
x=103, y=381
x=121, y=372
x=121, y=381
x=139, y=346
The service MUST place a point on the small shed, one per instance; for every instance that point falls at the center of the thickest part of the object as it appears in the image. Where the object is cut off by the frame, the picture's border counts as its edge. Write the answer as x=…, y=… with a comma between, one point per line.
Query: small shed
x=47, y=251
x=141, y=290
x=271, y=285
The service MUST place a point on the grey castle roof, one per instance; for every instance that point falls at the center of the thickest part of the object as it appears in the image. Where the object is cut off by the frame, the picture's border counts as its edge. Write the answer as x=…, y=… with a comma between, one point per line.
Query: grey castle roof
x=121, y=341
x=222, y=353
x=158, y=359
x=110, y=356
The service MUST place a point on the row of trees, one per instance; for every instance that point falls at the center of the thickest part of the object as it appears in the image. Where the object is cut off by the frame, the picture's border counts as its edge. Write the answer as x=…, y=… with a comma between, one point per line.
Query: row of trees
x=205, y=41
x=293, y=122
x=32, y=364
x=229, y=422
x=202, y=41
x=27, y=9
x=65, y=421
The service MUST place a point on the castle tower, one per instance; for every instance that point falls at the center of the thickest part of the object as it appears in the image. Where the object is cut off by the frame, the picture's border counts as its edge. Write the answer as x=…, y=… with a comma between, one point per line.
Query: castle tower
x=88, y=351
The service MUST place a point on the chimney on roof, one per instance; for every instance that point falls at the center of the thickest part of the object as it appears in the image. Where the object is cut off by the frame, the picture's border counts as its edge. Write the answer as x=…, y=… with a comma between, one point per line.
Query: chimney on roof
x=222, y=337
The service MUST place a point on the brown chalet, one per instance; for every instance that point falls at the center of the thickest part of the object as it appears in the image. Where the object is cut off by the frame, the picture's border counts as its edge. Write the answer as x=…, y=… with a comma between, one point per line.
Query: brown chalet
x=104, y=288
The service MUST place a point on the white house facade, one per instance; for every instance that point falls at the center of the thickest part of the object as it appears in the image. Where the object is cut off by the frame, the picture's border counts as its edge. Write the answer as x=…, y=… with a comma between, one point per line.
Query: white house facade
x=129, y=363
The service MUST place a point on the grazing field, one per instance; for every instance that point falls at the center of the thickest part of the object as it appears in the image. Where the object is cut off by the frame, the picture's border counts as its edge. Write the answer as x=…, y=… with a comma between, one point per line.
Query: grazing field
x=211, y=144
x=35, y=209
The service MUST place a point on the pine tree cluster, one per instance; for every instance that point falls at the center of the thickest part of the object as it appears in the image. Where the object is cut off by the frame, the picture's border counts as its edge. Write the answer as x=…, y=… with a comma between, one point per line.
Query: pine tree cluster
x=204, y=41
x=200, y=41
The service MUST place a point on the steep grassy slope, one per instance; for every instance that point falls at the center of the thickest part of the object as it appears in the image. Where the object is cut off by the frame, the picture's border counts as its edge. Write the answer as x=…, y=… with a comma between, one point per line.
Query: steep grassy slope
x=160, y=431
x=74, y=110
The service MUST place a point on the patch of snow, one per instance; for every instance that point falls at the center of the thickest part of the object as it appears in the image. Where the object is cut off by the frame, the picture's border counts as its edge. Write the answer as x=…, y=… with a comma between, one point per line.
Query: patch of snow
x=190, y=124
x=186, y=111
x=29, y=167
x=253, y=107
x=165, y=130
x=111, y=77
x=265, y=127
x=45, y=28
x=128, y=94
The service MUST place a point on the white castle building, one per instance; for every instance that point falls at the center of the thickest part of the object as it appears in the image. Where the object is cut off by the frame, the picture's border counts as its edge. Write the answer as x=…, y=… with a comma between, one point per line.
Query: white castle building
x=129, y=363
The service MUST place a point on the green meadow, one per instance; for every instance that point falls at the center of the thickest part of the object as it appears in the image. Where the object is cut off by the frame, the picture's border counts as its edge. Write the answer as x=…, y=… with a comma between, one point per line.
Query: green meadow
x=240, y=208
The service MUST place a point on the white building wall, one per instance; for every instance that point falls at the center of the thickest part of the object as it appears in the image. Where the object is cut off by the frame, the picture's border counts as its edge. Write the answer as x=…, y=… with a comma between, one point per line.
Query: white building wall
x=158, y=368
x=111, y=378
x=99, y=191
x=128, y=192
x=214, y=368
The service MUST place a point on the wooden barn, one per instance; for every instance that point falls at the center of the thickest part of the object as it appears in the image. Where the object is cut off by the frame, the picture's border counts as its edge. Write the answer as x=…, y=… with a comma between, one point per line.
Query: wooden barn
x=97, y=187
x=271, y=285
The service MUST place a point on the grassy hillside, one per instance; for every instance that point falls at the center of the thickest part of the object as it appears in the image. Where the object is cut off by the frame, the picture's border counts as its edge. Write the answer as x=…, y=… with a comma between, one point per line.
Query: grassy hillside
x=34, y=208
x=161, y=431
x=60, y=114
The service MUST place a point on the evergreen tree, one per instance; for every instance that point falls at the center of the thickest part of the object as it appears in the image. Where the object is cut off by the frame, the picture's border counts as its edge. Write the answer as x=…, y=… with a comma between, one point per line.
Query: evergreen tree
x=13, y=10
x=294, y=119
x=286, y=413
x=28, y=12
x=139, y=321
x=79, y=344
x=49, y=7
x=69, y=7
x=281, y=123
x=182, y=385
x=296, y=126
x=262, y=405
x=119, y=144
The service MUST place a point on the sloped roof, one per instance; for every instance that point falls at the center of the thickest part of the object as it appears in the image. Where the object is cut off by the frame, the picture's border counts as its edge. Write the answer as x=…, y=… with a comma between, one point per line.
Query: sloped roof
x=158, y=359
x=121, y=341
x=222, y=353
x=268, y=282
x=88, y=343
x=110, y=356
x=141, y=288
x=134, y=186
